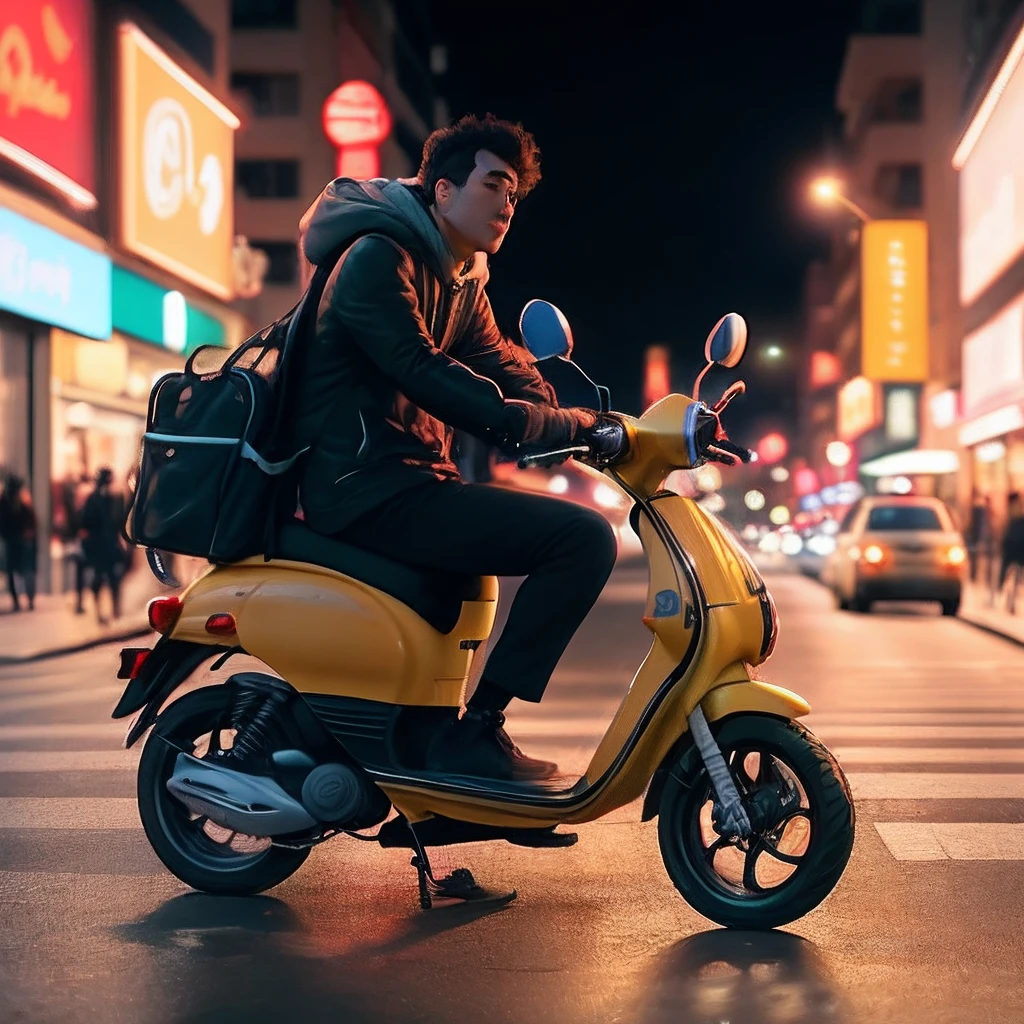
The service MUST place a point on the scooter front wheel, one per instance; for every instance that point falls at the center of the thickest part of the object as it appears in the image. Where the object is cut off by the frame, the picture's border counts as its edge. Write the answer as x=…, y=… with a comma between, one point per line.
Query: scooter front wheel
x=800, y=805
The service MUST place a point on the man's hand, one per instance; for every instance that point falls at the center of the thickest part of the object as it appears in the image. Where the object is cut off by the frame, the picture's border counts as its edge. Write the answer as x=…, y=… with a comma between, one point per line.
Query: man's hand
x=544, y=427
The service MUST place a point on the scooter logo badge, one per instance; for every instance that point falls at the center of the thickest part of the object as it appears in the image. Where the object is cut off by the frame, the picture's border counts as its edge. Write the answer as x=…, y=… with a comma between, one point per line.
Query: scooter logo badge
x=666, y=604
x=169, y=167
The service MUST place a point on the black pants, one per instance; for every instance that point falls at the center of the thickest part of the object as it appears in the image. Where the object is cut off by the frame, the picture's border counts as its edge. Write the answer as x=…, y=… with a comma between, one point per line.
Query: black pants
x=565, y=550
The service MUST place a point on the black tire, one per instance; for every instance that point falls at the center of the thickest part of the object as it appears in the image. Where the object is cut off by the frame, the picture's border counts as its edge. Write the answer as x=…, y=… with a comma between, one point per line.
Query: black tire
x=841, y=603
x=684, y=821
x=860, y=604
x=183, y=841
x=951, y=607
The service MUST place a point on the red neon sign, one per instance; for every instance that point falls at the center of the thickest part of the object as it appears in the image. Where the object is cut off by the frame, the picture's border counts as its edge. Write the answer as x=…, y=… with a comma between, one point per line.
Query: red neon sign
x=357, y=120
x=46, y=93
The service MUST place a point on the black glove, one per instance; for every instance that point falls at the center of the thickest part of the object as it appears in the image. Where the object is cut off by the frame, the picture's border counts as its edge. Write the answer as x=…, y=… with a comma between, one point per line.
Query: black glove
x=607, y=440
x=533, y=427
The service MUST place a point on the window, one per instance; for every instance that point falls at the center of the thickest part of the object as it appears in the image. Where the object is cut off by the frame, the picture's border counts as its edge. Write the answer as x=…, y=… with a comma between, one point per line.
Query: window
x=268, y=179
x=284, y=261
x=264, y=14
x=903, y=517
x=897, y=100
x=270, y=95
x=899, y=185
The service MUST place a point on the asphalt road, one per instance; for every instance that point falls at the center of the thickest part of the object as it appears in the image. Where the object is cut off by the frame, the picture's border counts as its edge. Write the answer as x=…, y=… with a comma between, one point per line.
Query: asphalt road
x=926, y=715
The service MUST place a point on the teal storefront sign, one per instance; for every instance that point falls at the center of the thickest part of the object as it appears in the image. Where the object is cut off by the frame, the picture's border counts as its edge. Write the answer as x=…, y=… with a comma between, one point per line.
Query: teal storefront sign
x=147, y=311
x=45, y=276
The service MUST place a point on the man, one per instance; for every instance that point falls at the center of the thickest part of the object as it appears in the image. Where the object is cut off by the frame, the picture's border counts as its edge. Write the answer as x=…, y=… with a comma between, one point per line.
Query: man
x=102, y=549
x=405, y=350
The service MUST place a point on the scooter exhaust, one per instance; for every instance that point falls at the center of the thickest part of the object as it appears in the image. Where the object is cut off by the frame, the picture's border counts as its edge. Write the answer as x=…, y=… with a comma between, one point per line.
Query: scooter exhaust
x=249, y=804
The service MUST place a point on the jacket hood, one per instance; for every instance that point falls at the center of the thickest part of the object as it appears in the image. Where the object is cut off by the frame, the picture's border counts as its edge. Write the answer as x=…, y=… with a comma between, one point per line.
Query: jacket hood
x=347, y=208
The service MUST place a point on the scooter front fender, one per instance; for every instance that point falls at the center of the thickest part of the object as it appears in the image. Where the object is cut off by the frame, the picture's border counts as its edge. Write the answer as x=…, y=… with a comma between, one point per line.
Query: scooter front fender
x=750, y=696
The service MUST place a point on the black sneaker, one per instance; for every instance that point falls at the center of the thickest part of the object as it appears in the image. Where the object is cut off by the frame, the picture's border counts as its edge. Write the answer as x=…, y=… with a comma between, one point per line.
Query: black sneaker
x=477, y=744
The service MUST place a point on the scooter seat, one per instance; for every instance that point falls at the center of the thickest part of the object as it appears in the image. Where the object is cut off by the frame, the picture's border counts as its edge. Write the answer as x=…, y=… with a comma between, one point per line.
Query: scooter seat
x=435, y=595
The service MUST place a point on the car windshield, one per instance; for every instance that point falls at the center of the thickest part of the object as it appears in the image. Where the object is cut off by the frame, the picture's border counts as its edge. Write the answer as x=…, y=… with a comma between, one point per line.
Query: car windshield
x=903, y=517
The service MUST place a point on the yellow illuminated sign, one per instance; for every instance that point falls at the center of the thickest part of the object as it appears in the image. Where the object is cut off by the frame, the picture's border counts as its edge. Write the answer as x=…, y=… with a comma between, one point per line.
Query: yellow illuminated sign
x=177, y=163
x=894, y=301
x=857, y=408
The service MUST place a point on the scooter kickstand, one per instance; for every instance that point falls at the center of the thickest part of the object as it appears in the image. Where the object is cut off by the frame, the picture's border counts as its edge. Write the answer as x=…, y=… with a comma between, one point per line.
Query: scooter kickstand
x=459, y=885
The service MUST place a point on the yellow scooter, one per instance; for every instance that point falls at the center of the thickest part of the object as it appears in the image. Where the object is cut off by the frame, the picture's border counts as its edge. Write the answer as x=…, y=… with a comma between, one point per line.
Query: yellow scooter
x=238, y=781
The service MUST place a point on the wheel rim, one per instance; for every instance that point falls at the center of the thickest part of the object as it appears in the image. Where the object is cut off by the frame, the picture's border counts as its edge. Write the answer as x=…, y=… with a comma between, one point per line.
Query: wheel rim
x=195, y=836
x=774, y=856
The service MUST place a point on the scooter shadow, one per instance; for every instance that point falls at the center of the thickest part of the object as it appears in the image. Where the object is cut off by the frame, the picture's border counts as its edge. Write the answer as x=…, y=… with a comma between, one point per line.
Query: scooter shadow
x=740, y=977
x=208, y=949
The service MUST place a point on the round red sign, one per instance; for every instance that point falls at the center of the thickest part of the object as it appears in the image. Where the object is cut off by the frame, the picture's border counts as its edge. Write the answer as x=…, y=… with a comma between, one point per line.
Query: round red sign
x=355, y=114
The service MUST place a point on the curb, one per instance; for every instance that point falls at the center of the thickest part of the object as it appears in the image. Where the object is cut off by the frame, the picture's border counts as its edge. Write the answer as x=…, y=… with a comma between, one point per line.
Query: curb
x=58, y=652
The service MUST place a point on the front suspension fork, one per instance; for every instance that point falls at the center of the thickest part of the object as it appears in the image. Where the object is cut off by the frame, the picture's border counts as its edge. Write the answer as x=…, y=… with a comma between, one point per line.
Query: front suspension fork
x=734, y=818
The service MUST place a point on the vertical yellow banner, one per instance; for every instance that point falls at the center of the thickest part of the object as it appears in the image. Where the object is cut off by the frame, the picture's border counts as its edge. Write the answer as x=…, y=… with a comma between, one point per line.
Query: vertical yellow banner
x=894, y=301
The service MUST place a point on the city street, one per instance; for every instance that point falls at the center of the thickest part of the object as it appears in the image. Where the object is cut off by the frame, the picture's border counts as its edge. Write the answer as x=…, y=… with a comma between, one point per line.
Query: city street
x=925, y=714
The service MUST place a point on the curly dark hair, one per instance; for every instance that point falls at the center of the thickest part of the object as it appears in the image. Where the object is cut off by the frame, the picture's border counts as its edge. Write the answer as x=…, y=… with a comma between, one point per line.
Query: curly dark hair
x=450, y=152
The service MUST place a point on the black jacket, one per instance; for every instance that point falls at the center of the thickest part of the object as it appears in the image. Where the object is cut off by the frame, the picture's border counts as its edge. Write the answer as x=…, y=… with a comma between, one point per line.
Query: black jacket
x=405, y=349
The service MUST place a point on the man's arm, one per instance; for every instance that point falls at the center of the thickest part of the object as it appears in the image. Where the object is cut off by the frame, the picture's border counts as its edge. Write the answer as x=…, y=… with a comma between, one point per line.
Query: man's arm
x=372, y=298
x=485, y=349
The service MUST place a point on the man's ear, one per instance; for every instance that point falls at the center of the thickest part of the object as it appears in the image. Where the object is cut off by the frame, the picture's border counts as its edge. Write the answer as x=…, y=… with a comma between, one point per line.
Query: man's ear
x=442, y=191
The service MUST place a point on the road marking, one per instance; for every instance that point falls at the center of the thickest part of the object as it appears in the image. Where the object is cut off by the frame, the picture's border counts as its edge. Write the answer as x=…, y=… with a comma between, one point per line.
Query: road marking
x=936, y=786
x=929, y=755
x=836, y=734
x=30, y=701
x=65, y=730
x=68, y=760
x=68, y=812
x=952, y=841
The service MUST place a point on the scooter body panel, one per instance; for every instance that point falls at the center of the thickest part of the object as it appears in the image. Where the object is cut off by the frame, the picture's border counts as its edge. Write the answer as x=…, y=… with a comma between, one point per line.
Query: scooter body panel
x=331, y=634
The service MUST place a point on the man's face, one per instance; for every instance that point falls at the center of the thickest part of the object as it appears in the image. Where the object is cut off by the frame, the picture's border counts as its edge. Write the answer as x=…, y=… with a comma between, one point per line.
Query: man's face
x=480, y=211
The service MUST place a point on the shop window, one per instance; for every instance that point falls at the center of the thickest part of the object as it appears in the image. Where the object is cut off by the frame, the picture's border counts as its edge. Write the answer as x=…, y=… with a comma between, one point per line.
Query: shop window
x=284, y=261
x=268, y=179
x=897, y=100
x=269, y=94
x=899, y=185
x=264, y=14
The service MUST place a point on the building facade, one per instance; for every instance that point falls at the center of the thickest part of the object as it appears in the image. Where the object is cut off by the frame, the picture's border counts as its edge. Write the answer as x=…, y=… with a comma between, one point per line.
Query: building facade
x=116, y=234
x=287, y=58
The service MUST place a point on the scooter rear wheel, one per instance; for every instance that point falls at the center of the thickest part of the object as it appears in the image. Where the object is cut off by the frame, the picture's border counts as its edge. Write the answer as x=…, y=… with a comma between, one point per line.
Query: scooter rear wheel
x=804, y=826
x=201, y=853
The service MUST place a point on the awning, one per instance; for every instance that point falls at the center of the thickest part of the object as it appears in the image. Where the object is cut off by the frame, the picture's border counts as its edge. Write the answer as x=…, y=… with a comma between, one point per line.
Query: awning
x=916, y=462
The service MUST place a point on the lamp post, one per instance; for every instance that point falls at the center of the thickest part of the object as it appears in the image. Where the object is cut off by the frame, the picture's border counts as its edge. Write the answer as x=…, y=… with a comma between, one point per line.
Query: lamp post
x=828, y=191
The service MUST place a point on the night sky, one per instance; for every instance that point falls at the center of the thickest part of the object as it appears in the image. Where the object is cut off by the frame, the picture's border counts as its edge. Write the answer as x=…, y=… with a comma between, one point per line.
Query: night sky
x=674, y=151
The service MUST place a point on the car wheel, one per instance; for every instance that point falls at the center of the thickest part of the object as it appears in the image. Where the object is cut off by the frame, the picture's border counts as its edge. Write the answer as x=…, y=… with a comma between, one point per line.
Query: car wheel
x=860, y=604
x=951, y=607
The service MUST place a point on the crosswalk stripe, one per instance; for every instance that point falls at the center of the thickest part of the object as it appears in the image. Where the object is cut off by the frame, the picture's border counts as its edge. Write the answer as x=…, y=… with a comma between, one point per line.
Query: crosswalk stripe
x=68, y=760
x=65, y=730
x=32, y=701
x=936, y=786
x=952, y=841
x=839, y=733
x=929, y=755
x=68, y=812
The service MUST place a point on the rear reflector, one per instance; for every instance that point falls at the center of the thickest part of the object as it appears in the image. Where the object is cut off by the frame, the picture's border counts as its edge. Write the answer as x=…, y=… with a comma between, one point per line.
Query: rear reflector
x=221, y=624
x=163, y=613
x=132, y=660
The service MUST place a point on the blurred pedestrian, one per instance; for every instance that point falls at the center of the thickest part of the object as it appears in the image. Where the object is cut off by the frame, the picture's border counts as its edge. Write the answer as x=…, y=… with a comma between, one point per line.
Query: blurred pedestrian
x=18, y=531
x=103, y=549
x=72, y=497
x=1012, y=554
x=979, y=536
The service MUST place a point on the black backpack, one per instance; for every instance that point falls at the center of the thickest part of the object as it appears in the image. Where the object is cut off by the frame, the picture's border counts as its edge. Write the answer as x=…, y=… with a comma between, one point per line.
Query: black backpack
x=216, y=473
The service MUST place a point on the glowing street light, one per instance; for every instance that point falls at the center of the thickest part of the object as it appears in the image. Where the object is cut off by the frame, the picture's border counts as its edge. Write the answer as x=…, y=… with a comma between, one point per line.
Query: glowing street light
x=838, y=454
x=754, y=500
x=779, y=474
x=828, y=191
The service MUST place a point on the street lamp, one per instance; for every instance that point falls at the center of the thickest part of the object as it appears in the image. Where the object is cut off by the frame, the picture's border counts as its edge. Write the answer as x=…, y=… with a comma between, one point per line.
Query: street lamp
x=828, y=191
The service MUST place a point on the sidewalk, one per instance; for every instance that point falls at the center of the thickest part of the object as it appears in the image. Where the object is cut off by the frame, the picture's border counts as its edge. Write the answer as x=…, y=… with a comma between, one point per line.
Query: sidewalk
x=54, y=628
x=978, y=608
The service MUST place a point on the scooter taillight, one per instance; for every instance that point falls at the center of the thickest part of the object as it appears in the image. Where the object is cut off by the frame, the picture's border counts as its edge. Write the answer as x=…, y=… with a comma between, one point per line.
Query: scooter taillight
x=163, y=613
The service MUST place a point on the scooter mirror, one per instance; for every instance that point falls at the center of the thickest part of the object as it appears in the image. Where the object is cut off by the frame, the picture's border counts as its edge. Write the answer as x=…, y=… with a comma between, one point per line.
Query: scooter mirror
x=545, y=330
x=728, y=341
